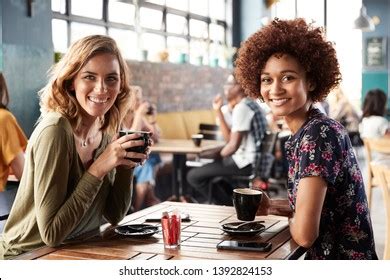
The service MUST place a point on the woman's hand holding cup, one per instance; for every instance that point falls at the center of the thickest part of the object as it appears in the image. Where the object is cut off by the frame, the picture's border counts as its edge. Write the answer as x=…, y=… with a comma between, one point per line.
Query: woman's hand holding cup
x=140, y=148
x=127, y=151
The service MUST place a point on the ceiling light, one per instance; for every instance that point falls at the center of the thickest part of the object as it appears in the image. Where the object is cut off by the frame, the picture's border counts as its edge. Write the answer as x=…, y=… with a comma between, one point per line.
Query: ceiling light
x=364, y=22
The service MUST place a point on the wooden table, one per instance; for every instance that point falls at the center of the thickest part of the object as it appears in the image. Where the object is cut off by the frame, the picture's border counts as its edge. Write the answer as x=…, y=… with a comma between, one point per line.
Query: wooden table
x=180, y=148
x=199, y=239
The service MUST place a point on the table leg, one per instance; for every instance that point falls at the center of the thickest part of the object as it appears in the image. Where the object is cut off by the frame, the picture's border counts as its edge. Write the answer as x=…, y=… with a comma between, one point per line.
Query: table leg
x=178, y=176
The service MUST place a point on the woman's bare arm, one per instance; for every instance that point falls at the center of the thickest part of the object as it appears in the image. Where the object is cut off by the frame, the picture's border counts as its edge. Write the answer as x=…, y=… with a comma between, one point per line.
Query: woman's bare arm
x=305, y=224
x=17, y=165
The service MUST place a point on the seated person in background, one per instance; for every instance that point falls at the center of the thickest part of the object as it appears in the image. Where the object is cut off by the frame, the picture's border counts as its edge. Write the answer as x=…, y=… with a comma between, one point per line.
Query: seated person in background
x=374, y=124
x=224, y=112
x=77, y=170
x=13, y=142
x=341, y=110
x=142, y=116
x=242, y=150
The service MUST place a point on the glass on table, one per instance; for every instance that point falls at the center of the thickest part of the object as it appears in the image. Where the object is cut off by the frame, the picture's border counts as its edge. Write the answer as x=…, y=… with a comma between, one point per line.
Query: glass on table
x=171, y=229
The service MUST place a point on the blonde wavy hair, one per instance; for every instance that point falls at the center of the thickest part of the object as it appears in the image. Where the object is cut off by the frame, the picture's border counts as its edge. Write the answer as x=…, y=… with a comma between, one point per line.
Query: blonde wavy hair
x=58, y=95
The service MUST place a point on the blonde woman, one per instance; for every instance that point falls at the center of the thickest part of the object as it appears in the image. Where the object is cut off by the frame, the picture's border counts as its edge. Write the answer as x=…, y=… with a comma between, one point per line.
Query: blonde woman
x=77, y=169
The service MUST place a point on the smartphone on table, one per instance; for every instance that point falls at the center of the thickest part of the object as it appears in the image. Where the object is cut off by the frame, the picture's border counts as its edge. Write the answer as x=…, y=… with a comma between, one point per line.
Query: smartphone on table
x=245, y=245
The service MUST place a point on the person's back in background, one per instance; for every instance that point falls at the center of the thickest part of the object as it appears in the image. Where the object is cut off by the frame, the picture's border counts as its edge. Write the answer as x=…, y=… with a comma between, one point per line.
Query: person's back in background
x=374, y=124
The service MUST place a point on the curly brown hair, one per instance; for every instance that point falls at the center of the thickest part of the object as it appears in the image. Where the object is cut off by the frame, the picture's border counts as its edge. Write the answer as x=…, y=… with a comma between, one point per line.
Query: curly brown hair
x=294, y=37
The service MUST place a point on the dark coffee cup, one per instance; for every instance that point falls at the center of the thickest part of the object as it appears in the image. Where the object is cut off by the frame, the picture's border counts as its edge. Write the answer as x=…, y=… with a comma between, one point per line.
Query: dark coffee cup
x=246, y=202
x=145, y=135
x=197, y=139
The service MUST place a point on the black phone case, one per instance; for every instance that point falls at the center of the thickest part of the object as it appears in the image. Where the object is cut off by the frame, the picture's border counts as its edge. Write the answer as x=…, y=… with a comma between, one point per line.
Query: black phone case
x=226, y=246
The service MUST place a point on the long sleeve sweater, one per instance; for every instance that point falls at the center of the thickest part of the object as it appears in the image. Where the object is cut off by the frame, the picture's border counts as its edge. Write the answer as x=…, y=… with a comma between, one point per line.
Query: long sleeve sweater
x=57, y=198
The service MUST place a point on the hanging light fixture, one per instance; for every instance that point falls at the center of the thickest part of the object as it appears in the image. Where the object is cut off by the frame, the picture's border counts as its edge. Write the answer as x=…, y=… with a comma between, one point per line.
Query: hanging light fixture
x=364, y=22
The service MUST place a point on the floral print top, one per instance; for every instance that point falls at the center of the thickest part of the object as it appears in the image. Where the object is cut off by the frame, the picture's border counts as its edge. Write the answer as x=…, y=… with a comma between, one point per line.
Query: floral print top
x=321, y=147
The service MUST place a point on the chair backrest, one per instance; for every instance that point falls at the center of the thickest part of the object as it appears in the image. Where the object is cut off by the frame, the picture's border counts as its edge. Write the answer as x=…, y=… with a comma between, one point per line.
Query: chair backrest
x=382, y=172
x=7, y=198
x=378, y=145
x=371, y=147
x=269, y=142
x=210, y=131
x=263, y=167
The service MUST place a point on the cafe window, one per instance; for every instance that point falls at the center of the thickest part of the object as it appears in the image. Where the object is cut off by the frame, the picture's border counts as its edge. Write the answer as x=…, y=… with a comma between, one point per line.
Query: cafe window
x=217, y=9
x=58, y=6
x=178, y=49
x=199, y=7
x=312, y=11
x=198, y=28
x=284, y=9
x=176, y=25
x=152, y=45
x=150, y=18
x=178, y=5
x=80, y=30
x=60, y=42
x=121, y=12
x=87, y=8
x=160, y=2
x=199, y=52
x=127, y=41
x=217, y=33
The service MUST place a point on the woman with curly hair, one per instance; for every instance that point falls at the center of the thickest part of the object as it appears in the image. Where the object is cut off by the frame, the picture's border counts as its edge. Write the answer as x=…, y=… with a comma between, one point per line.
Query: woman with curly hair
x=77, y=169
x=290, y=65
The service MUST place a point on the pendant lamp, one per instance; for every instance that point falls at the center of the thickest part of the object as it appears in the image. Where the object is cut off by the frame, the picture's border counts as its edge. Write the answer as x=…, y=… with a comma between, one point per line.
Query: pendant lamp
x=364, y=22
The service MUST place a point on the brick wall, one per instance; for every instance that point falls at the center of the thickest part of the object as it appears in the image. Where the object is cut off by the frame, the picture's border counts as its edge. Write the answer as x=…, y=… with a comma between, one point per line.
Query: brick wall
x=178, y=87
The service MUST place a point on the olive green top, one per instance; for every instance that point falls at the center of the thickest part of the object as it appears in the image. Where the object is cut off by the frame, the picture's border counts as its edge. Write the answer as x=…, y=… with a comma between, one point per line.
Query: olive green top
x=57, y=198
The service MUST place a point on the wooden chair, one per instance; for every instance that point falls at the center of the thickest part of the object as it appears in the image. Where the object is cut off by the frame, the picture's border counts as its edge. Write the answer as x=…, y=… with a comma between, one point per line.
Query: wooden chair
x=372, y=147
x=210, y=131
x=7, y=198
x=382, y=173
x=267, y=146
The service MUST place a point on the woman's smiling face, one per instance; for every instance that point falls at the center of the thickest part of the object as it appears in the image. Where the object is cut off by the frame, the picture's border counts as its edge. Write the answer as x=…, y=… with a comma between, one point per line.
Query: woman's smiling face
x=97, y=84
x=283, y=85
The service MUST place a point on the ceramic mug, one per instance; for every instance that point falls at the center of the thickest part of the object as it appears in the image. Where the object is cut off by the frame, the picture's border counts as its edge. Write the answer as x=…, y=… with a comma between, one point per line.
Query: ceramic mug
x=197, y=139
x=246, y=202
x=145, y=135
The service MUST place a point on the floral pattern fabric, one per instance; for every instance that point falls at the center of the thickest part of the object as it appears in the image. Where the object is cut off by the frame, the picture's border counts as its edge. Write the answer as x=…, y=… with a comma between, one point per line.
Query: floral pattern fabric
x=322, y=148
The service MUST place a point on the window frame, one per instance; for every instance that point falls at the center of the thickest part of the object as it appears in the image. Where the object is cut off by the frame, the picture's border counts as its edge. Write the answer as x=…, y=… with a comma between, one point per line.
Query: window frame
x=104, y=22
